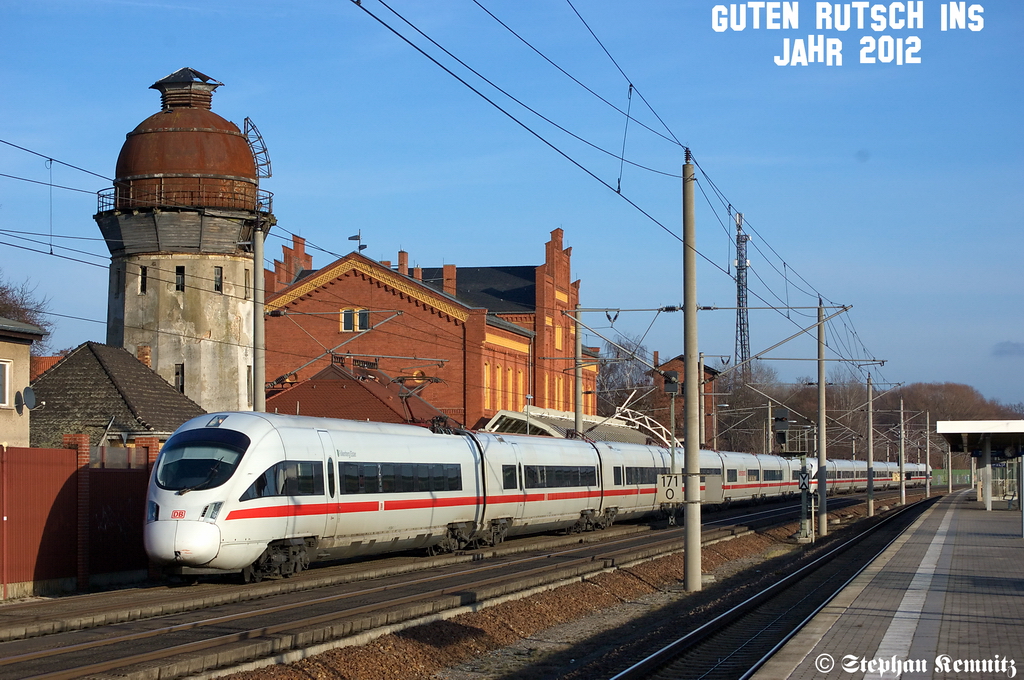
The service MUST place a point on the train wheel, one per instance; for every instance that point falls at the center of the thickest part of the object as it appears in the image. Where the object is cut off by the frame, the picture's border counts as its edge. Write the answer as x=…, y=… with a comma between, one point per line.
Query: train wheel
x=251, y=575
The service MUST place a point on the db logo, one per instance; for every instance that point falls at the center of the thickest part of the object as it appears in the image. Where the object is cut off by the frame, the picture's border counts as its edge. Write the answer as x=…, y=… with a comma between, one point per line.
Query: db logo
x=177, y=514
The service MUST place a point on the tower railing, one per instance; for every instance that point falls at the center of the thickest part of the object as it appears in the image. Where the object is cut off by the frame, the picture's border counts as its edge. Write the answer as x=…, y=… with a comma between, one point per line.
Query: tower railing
x=212, y=196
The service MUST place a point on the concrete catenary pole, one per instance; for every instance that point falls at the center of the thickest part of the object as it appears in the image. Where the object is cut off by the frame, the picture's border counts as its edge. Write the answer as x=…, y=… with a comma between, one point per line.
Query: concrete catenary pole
x=903, y=456
x=927, y=454
x=702, y=412
x=259, y=345
x=871, y=449
x=578, y=373
x=691, y=386
x=822, y=458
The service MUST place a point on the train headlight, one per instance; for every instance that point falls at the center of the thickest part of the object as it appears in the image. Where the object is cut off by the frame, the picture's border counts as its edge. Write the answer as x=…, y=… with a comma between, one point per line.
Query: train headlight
x=211, y=511
x=152, y=512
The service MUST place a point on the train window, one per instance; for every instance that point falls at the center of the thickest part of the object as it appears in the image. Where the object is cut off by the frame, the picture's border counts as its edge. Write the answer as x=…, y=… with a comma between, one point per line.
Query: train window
x=399, y=477
x=552, y=476
x=508, y=477
x=753, y=475
x=387, y=478
x=330, y=477
x=349, y=473
x=422, y=477
x=710, y=471
x=288, y=478
x=440, y=481
x=454, y=474
x=262, y=487
x=773, y=475
x=408, y=481
x=200, y=459
x=369, y=480
x=309, y=478
x=534, y=476
x=644, y=475
x=618, y=475
x=730, y=475
x=563, y=476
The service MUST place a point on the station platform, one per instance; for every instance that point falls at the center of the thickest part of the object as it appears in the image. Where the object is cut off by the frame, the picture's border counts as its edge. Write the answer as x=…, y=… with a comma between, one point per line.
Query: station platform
x=946, y=600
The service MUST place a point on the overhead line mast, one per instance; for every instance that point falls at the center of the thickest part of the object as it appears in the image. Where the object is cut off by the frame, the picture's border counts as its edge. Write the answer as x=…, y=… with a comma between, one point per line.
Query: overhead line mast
x=742, y=322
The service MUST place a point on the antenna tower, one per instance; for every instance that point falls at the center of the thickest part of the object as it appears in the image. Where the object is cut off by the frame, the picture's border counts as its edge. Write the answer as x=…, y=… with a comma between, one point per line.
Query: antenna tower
x=742, y=323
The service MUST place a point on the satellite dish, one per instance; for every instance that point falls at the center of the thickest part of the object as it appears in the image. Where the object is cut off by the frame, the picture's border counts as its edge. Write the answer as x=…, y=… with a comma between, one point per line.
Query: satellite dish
x=19, y=404
x=30, y=398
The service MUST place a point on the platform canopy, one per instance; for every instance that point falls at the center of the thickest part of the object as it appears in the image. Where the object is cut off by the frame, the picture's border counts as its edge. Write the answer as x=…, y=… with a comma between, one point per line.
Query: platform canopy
x=551, y=423
x=1007, y=436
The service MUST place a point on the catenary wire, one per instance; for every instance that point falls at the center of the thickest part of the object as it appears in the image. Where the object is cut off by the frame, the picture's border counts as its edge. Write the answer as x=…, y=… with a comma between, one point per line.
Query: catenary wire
x=570, y=76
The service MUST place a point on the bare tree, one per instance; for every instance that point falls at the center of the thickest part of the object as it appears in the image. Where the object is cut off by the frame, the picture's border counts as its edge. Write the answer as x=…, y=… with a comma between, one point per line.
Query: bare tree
x=742, y=423
x=19, y=302
x=623, y=374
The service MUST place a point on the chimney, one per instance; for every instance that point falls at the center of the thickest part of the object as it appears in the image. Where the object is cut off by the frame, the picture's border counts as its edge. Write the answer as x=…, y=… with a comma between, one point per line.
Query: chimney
x=403, y=262
x=144, y=355
x=386, y=263
x=449, y=279
x=417, y=273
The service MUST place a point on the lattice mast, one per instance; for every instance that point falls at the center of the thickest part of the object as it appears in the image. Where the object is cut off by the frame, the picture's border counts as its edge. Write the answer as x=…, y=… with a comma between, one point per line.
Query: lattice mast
x=742, y=322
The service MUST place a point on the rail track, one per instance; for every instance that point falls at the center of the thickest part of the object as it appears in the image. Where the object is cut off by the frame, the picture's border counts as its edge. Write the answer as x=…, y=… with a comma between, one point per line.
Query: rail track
x=186, y=642
x=175, y=632
x=736, y=642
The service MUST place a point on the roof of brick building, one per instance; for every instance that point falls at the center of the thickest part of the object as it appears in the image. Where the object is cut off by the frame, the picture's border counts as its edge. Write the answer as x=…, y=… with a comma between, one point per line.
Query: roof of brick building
x=353, y=393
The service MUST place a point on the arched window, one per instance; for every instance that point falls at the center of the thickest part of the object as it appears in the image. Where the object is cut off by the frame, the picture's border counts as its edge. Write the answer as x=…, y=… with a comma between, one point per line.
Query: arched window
x=487, y=387
x=497, y=388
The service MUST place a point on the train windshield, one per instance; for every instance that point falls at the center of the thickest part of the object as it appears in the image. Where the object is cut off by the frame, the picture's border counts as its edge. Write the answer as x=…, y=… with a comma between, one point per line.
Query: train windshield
x=200, y=459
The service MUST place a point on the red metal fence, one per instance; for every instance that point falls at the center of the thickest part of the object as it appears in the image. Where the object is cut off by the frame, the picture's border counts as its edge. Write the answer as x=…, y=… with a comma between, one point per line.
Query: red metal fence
x=39, y=500
x=65, y=521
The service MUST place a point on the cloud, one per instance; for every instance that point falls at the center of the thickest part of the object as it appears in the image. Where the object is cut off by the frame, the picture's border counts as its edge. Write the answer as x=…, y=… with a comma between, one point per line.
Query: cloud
x=1008, y=349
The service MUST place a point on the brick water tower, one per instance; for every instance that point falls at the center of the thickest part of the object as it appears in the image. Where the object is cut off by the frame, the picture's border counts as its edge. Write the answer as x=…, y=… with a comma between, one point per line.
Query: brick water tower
x=180, y=223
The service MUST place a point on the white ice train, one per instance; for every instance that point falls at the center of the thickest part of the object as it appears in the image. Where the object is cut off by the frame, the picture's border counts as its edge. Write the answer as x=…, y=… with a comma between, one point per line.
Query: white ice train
x=265, y=494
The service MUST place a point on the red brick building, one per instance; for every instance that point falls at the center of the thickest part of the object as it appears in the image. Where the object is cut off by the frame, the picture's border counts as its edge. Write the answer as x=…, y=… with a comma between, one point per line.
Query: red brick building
x=708, y=407
x=482, y=337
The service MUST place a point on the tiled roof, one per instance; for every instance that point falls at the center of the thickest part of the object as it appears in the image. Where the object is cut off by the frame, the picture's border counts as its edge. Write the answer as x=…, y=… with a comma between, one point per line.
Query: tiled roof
x=352, y=394
x=41, y=365
x=98, y=388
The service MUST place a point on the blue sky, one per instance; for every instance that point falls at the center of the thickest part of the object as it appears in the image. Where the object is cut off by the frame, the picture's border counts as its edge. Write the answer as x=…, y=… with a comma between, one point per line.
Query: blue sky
x=892, y=188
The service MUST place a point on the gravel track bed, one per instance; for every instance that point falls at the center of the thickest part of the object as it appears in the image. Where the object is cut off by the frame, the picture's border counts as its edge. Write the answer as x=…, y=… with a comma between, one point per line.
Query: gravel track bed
x=565, y=632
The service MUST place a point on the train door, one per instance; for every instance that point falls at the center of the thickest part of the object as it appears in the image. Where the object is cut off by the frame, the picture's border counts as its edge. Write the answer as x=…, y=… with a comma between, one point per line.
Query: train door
x=515, y=486
x=331, y=489
x=711, y=477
